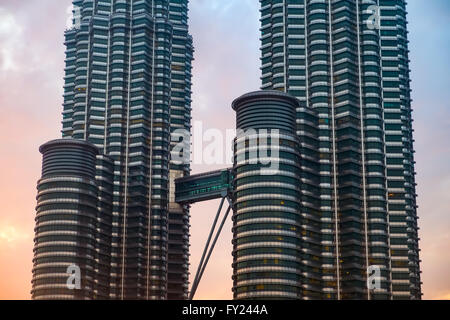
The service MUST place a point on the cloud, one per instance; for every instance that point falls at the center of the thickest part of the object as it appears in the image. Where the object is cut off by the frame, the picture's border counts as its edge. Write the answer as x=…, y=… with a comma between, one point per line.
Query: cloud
x=10, y=38
x=10, y=235
x=16, y=245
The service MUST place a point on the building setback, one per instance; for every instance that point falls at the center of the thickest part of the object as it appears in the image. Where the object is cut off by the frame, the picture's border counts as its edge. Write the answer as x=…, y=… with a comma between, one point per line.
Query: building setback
x=351, y=77
x=127, y=86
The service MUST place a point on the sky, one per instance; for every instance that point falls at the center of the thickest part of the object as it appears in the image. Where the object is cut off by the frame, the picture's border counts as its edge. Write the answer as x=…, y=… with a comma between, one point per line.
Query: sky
x=226, y=40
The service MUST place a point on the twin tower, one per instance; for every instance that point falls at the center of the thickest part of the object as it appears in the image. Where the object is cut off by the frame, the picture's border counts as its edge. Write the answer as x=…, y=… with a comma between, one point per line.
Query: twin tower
x=322, y=187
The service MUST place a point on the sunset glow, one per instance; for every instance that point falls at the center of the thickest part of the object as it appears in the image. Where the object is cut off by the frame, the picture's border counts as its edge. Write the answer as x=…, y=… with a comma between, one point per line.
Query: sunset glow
x=226, y=40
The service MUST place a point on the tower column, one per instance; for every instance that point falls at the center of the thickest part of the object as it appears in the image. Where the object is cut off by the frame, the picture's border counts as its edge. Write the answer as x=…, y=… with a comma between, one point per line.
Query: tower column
x=266, y=221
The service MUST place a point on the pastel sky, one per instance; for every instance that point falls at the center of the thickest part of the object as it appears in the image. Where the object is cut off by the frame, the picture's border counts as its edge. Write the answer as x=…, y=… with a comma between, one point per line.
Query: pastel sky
x=226, y=39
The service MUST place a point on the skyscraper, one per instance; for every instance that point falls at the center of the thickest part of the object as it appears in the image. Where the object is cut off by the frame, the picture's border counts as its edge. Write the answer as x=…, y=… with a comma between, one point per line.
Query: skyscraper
x=127, y=86
x=347, y=63
x=267, y=239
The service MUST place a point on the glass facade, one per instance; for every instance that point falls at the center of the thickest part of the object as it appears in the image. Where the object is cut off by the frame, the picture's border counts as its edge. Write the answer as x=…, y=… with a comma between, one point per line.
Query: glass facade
x=267, y=240
x=354, y=123
x=66, y=222
x=127, y=87
x=399, y=151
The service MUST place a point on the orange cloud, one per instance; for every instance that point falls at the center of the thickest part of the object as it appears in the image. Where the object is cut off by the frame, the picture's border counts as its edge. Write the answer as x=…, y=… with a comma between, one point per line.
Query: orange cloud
x=445, y=297
x=10, y=235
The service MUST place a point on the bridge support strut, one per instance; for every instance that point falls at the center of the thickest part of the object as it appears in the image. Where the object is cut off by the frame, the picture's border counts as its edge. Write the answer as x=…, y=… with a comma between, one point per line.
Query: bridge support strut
x=207, y=253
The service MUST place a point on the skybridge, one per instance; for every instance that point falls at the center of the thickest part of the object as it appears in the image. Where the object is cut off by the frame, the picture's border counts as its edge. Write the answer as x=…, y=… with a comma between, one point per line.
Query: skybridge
x=203, y=187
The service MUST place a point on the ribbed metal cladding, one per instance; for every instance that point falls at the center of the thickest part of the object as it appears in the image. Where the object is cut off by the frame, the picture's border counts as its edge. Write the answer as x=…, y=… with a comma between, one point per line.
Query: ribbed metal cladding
x=64, y=156
x=65, y=220
x=266, y=219
x=267, y=109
